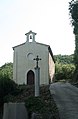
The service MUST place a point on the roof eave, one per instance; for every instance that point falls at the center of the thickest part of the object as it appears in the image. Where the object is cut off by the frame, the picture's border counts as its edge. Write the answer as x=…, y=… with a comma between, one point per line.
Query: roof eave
x=51, y=53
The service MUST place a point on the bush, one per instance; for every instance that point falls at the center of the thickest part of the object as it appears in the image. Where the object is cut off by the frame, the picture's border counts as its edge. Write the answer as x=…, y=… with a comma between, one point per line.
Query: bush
x=43, y=106
x=6, y=70
x=64, y=71
x=35, y=104
x=7, y=86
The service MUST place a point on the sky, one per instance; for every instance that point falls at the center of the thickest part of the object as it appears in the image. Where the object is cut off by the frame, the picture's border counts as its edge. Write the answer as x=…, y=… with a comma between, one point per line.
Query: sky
x=48, y=18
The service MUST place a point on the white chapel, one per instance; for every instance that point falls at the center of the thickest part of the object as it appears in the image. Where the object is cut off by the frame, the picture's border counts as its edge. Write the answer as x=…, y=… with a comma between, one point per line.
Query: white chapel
x=24, y=63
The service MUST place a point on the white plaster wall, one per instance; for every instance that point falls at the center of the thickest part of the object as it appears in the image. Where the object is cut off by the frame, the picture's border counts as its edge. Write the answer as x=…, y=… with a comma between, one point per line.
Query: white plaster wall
x=51, y=67
x=22, y=64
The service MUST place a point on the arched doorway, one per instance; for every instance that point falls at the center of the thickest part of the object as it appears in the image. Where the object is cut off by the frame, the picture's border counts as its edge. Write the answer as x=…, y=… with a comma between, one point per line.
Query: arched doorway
x=30, y=77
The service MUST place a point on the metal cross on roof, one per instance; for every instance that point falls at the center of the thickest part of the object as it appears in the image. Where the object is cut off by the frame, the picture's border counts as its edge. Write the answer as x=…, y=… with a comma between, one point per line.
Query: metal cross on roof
x=37, y=60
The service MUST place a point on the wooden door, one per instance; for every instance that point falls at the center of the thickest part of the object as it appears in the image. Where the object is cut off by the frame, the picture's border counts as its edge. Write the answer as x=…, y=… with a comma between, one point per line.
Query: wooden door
x=30, y=77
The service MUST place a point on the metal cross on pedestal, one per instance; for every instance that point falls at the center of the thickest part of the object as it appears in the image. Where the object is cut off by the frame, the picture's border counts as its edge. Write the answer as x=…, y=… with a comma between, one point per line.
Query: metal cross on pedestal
x=37, y=76
x=37, y=59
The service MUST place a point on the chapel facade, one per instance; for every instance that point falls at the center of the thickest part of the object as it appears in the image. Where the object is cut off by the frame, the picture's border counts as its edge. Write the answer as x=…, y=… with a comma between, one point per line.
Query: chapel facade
x=24, y=64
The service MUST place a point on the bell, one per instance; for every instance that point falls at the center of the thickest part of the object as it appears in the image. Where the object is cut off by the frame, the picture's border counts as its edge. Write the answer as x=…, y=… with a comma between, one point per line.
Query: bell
x=30, y=36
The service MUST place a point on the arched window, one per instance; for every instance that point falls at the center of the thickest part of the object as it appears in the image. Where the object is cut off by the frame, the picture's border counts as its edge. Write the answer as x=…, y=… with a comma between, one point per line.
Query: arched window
x=30, y=77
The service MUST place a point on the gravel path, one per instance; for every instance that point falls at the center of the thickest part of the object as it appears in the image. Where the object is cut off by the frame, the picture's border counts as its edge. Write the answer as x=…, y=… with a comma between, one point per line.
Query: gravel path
x=66, y=98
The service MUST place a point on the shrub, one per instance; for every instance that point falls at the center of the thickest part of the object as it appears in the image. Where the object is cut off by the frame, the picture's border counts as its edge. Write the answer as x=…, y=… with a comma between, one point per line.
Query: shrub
x=64, y=71
x=7, y=86
x=35, y=104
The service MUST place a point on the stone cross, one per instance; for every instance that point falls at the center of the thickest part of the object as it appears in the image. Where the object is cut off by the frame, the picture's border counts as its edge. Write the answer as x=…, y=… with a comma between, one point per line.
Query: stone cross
x=37, y=60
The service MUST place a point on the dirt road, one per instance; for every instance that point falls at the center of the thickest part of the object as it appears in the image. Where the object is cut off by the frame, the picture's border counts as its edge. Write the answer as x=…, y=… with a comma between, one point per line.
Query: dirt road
x=66, y=98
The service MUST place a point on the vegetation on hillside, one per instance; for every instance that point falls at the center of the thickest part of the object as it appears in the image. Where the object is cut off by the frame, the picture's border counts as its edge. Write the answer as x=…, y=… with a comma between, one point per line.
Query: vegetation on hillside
x=6, y=70
x=64, y=67
x=64, y=59
x=64, y=71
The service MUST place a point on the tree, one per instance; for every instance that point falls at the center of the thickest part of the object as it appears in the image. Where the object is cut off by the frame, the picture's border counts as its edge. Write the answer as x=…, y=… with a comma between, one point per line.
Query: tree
x=73, y=10
x=7, y=70
x=64, y=71
x=64, y=59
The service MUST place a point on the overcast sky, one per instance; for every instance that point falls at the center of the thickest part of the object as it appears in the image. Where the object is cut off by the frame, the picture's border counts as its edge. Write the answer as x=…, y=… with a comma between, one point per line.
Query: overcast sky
x=48, y=18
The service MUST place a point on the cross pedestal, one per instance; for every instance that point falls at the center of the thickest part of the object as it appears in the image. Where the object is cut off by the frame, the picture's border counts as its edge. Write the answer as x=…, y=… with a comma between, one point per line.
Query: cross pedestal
x=37, y=77
x=37, y=81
